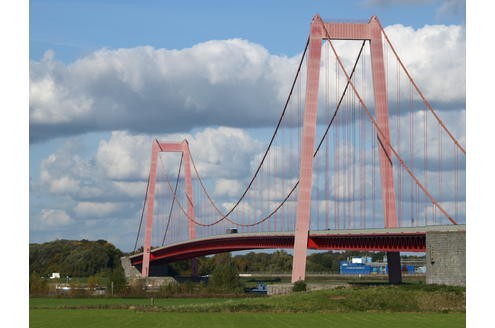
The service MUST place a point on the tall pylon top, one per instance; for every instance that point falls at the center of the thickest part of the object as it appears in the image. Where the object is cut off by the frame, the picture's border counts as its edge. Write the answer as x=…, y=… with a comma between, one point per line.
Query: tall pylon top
x=345, y=30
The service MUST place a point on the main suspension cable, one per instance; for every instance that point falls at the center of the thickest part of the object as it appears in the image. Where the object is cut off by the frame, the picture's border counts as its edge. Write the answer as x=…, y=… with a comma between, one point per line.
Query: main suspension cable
x=204, y=187
x=142, y=212
x=225, y=217
x=425, y=101
x=341, y=99
x=269, y=145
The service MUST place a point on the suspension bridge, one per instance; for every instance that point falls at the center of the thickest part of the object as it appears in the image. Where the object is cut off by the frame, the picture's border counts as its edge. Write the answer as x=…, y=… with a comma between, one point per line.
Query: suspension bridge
x=359, y=160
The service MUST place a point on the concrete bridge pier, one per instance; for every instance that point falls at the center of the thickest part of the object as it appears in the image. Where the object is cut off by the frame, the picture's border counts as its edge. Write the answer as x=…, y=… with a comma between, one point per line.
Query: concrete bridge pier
x=394, y=268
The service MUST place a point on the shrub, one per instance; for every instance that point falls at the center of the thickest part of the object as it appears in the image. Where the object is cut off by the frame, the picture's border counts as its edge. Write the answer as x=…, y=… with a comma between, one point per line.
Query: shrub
x=37, y=285
x=299, y=286
x=225, y=276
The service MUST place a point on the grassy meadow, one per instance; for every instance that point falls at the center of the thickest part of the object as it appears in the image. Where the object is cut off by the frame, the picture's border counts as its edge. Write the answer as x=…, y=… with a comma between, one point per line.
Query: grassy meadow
x=75, y=318
x=358, y=306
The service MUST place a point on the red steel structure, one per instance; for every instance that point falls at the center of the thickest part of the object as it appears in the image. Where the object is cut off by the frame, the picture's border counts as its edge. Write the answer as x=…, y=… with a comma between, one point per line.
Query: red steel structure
x=405, y=240
x=384, y=240
x=156, y=148
x=340, y=31
x=300, y=236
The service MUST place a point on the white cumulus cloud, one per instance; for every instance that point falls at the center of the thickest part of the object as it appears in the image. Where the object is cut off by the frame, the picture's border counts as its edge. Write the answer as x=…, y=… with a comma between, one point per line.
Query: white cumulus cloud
x=54, y=217
x=95, y=209
x=222, y=82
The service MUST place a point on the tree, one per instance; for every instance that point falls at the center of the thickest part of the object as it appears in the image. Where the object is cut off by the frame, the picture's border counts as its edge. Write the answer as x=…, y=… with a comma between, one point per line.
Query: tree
x=93, y=282
x=323, y=262
x=37, y=285
x=280, y=262
x=73, y=258
x=117, y=277
x=182, y=268
x=225, y=275
x=206, y=265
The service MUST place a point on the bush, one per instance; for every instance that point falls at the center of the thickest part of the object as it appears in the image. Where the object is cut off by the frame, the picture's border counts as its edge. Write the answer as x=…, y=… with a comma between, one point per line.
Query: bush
x=225, y=276
x=37, y=285
x=117, y=276
x=299, y=286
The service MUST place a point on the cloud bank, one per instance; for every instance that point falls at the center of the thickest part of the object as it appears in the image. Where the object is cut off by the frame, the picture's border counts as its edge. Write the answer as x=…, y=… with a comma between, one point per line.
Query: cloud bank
x=222, y=82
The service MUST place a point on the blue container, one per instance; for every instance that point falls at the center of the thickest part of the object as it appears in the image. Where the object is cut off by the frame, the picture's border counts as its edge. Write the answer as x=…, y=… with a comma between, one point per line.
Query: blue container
x=354, y=268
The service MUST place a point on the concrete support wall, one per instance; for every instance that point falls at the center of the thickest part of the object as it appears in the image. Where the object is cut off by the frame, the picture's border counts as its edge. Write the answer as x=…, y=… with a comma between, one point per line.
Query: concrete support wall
x=129, y=271
x=279, y=289
x=446, y=258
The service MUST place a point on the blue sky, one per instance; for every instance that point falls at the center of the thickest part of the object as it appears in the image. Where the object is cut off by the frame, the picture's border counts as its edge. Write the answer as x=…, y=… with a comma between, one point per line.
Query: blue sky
x=78, y=122
x=75, y=28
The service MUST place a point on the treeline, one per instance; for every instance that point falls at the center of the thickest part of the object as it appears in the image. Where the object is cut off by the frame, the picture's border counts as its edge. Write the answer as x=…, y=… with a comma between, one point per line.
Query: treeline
x=74, y=258
x=276, y=262
x=88, y=258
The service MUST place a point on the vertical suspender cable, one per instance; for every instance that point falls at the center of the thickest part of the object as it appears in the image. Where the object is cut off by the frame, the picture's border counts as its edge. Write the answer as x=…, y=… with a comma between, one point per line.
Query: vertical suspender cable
x=173, y=199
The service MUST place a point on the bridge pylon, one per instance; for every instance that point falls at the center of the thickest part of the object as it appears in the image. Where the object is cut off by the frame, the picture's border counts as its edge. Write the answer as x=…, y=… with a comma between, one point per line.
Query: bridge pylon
x=320, y=31
x=157, y=147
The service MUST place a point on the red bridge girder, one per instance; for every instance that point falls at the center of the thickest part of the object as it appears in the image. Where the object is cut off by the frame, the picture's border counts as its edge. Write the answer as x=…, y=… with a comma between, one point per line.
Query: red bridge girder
x=385, y=242
x=415, y=242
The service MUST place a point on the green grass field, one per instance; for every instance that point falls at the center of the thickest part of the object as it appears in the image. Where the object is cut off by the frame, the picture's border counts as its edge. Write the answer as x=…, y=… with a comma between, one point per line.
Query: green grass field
x=379, y=306
x=53, y=318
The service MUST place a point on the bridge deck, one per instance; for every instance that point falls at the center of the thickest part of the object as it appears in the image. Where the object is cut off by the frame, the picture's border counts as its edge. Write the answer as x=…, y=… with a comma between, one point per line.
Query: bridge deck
x=395, y=239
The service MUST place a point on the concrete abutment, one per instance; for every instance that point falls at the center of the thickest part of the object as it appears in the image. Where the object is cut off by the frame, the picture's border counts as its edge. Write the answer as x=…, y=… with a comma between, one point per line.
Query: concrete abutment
x=446, y=258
